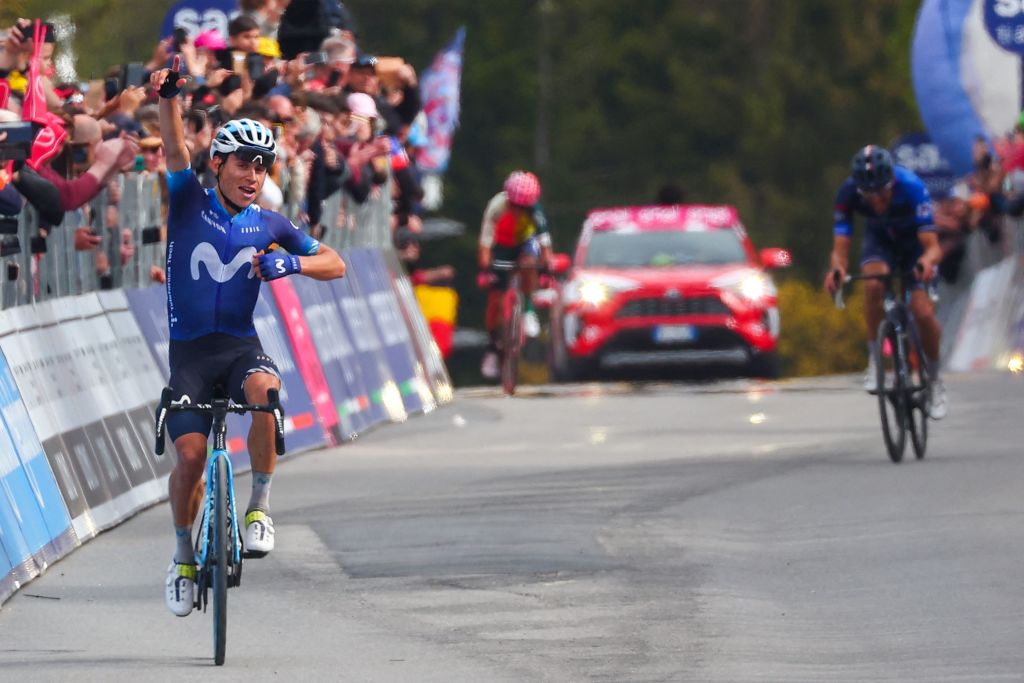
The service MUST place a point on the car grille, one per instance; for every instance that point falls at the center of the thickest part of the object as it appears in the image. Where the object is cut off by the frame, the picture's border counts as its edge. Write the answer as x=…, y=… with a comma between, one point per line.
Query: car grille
x=695, y=305
x=642, y=339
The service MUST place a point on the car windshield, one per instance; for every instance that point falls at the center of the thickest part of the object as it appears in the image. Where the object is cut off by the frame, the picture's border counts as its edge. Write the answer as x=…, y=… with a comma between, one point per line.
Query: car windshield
x=664, y=248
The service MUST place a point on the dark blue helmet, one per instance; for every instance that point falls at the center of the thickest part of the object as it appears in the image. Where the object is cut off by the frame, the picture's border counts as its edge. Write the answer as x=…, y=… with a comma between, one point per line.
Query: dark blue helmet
x=871, y=169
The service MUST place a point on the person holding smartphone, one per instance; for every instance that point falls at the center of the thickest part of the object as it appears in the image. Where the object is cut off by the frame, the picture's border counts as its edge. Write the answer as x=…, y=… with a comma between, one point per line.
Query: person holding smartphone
x=243, y=40
x=331, y=64
x=86, y=164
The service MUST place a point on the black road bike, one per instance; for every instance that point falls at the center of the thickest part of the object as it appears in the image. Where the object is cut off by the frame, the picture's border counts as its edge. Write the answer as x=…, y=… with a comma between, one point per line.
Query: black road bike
x=904, y=377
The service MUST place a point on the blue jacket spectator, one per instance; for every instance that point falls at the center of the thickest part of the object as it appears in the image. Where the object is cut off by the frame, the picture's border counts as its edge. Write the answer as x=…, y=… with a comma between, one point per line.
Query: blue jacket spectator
x=10, y=201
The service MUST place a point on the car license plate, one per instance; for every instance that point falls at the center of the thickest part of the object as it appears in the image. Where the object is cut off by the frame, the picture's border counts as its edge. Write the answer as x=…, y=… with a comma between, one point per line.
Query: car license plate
x=668, y=334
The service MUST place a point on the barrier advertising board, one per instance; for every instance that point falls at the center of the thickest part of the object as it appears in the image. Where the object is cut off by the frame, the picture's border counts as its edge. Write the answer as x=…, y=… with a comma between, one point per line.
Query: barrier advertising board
x=137, y=379
x=385, y=399
x=368, y=268
x=304, y=352
x=303, y=428
x=424, y=345
x=337, y=357
x=32, y=361
x=35, y=528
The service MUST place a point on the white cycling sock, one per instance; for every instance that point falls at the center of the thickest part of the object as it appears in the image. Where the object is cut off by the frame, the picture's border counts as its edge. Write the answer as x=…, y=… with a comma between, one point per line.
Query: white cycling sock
x=260, y=498
x=184, y=553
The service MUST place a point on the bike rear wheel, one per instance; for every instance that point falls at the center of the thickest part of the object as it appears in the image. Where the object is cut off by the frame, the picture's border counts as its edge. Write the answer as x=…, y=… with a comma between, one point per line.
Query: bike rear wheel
x=891, y=392
x=918, y=392
x=512, y=338
x=220, y=539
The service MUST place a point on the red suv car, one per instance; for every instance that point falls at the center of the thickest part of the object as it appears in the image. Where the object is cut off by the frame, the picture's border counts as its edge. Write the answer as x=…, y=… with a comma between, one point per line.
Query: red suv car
x=667, y=286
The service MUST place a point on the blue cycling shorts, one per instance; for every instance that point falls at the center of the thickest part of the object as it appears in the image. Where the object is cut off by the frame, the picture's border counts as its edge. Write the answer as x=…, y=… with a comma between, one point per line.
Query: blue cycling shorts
x=899, y=256
x=214, y=360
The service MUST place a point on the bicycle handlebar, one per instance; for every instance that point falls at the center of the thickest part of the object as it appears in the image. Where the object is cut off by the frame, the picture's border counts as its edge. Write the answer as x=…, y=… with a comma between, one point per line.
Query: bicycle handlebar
x=273, y=406
x=884, y=277
x=502, y=264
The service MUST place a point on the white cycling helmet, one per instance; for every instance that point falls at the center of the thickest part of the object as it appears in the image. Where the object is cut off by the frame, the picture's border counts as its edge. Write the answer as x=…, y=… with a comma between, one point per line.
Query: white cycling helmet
x=245, y=135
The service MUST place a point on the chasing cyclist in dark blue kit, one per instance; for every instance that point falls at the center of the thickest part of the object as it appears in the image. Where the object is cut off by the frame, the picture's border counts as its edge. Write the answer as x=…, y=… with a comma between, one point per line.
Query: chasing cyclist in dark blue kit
x=218, y=253
x=899, y=236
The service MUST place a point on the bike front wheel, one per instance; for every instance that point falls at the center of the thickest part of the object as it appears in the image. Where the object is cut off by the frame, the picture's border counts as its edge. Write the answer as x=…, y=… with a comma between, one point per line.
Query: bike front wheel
x=512, y=338
x=919, y=391
x=891, y=392
x=220, y=538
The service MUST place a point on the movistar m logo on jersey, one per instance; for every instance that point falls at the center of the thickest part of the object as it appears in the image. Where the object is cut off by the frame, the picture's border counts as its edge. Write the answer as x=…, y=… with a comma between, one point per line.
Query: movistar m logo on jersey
x=206, y=254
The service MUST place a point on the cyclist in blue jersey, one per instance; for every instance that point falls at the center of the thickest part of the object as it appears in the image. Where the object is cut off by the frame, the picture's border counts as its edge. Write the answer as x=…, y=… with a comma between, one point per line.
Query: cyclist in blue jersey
x=899, y=235
x=219, y=251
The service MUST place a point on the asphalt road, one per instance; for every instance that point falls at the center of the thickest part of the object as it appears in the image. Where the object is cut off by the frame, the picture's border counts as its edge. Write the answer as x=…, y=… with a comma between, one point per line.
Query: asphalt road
x=721, y=532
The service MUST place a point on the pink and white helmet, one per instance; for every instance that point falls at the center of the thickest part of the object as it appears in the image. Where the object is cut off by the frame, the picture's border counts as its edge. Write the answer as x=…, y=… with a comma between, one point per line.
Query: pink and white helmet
x=522, y=188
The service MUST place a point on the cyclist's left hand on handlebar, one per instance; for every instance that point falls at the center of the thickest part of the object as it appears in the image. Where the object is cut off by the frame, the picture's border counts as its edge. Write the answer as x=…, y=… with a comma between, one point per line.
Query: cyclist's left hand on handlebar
x=834, y=280
x=274, y=265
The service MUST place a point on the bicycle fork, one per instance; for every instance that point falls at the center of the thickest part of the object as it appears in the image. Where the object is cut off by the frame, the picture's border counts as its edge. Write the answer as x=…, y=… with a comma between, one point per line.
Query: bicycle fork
x=900, y=353
x=205, y=539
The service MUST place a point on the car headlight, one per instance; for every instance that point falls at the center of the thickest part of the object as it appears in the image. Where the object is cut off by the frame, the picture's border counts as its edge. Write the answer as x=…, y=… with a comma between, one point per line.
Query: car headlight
x=596, y=291
x=752, y=287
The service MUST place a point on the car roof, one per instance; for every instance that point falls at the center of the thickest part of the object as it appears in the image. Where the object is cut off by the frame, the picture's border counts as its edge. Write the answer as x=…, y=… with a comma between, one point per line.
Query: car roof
x=695, y=217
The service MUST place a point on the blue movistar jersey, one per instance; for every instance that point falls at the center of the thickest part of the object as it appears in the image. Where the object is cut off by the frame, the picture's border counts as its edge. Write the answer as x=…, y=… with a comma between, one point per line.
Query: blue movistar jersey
x=211, y=286
x=909, y=213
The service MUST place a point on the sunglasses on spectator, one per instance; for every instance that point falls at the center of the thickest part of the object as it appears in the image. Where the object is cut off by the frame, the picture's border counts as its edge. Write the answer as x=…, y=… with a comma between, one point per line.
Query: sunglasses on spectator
x=255, y=155
x=152, y=150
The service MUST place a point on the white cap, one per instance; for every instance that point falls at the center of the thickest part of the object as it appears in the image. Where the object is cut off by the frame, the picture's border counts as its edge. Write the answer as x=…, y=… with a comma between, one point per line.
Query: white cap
x=361, y=104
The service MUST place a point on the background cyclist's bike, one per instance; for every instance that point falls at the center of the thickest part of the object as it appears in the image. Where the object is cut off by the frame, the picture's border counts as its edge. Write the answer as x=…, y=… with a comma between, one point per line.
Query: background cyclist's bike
x=513, y=335
x=218, y=541
x=903, y=375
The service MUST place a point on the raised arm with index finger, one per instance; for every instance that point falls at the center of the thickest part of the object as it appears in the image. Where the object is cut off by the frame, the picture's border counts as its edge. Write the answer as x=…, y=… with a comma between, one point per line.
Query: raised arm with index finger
x=168, y=83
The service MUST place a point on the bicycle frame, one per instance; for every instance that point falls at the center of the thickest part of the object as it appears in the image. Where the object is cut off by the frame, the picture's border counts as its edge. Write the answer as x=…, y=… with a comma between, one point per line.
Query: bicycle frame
x=203, y=540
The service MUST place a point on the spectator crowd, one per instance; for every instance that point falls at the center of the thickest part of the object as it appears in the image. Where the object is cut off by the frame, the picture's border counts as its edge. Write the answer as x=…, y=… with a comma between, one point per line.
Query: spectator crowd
x=980, y=201
x=346, y=121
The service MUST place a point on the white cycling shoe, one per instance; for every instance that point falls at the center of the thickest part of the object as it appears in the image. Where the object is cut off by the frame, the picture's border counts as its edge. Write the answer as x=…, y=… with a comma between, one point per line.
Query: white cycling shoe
x=531, y=324
x=489, y=366
x=871, y=376
x=938, y=405
x=180, y=595
x=259, y=533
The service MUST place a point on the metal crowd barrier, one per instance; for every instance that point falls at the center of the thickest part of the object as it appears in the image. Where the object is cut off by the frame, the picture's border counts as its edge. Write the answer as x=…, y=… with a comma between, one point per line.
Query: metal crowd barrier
x=350, y=224
x=41, y=263
x=980, y=253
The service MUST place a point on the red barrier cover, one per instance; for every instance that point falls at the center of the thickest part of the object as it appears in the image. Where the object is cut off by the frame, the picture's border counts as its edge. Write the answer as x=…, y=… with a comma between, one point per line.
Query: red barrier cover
x=306, y=358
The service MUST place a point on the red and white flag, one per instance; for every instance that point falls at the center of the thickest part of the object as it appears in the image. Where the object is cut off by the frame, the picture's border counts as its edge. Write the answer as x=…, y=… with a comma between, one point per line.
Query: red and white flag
x=50, y=139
